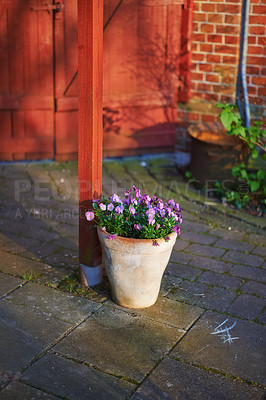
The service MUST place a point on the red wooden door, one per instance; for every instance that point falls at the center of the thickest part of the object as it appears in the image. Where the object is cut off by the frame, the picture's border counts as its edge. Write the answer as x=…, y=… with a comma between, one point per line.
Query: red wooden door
x=26, y=80
x=146, y=52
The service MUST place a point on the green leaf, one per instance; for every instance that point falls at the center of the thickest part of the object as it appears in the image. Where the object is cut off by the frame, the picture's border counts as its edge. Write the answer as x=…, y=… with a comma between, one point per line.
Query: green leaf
x=261, y=175
x=254, y=153
x=227, y=119
x=254, y=186
x=244, y=173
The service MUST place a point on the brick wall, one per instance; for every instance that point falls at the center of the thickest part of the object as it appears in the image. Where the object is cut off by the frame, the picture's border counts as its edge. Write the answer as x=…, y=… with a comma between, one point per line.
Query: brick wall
x=215, y=53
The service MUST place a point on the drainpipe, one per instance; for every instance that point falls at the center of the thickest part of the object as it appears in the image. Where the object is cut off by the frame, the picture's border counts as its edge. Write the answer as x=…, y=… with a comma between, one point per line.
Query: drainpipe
x=241, y=77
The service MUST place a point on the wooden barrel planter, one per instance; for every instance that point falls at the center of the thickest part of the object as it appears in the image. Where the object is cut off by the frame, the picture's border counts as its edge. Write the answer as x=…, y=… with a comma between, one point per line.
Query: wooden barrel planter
x=214, y=153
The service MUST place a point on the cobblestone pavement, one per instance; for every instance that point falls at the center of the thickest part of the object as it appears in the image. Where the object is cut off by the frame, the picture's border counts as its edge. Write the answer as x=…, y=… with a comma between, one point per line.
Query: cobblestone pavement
x=203, y=339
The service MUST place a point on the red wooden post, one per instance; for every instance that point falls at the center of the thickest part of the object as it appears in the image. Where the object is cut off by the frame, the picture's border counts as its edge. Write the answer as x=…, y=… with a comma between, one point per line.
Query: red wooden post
x=90, y=66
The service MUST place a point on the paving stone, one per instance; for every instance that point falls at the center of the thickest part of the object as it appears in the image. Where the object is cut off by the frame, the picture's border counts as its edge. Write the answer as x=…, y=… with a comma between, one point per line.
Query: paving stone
x=195, y=227
x=225, y=281
x=176, y=380
x=188, y=292
x=246, y=306
x=198, y=238
x=16, y=265
x=168, y=312
x=180, y=245
x=210, y=264
x=18, y=390
x=245, y=357
x=262, y=317
x=119, y=343
x=8, y=283
x=53, y=303
x=260, y=250
x=254, y=288
x=24, y=335
x=234, y=245
x=253, y=273
x=257, y=239
x=73, y=381
x=169, y=282
x=217, y=299
x=243, y=258
x=204, y=250
x=182, y=271
x=180, y=257
x=228, y=234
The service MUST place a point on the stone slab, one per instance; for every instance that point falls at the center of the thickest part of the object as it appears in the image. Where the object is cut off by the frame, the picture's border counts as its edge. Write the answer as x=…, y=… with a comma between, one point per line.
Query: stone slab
x=174, y=380
x=169, y=282
x=204, y=250
x=216, y=298
x=256, y=288
x=189, y=292
x=16, y=265
x=166, y=311
x=198, y=238
x=182, y=271
x=234, y=245
x=8, y=283
x=71, y=380
x=246, y=306
x=243, y=258
x=18, y=390
x=244, y=271
x=53, y=303
x=120, y=343
x=225, y=281
x=244, y=357
x=24, y=334
x=210, y=264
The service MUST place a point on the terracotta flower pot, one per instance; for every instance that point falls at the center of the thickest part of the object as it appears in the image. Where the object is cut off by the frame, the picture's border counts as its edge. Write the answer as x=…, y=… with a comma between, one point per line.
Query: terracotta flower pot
x=135, y=268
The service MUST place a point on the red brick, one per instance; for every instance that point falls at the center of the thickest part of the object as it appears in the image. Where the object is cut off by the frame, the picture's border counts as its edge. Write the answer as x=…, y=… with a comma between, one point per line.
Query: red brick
x=255, y=50
x=194, y=66
x=256, y=60
x=215, y=38
x=229, y=60
x=228, y=8
x=207, y=48
x=231, y=39
x=197, y=57
x=212, y=78
x=229, y=79
x=196, y=95
x=252, y=40
x=257, y=19
x=215, y=18
x=213, y=58
x=208, y=118
x=193, y=116
x=233, y=30
x=204, y=87
x=227, y=99
x=232, y=19
x=194, y=46
x=196, y=6
x=263, y=71
x=252, y=90
x=195, y=27
x=207, y=28
x=199, y=17
x=259, y=80
x=262, y=41
x=259, y=10
x=209, y=7
x=257, y=30
x=196, y=76
x=211, y=96
x=198, y=37
x=253, y=70
x=205, y=67
x=225, y=49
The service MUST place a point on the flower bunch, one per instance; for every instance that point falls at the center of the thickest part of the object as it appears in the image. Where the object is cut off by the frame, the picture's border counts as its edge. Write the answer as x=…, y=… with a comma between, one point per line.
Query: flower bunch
x=136, y=216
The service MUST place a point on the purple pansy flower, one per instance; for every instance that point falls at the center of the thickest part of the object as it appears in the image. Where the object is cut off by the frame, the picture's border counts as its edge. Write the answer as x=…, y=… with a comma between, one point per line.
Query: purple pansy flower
x=154, y=243
x=119, y=209
x=112, y=237
x=115, y=198
x=171, y=202
x=157, y=226
x=89, y=215
x=176, y=229
x=132, y=210
x=102, y=206
x=110, y=207
x=138, y=227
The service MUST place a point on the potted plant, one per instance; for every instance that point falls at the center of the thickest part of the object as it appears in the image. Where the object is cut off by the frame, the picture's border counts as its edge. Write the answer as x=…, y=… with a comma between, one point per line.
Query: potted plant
x=137, y=235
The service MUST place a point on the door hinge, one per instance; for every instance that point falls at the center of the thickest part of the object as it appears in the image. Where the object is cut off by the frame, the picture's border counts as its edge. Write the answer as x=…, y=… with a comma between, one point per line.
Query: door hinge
x=57, y=7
